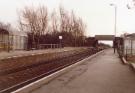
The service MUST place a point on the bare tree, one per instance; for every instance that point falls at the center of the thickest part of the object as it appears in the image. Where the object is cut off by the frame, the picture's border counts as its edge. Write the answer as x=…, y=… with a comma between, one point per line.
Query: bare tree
x=78, y=28
x=34, y=21
x=42, y=22
x=64, y=20
x=55, y=22
x=72, y=25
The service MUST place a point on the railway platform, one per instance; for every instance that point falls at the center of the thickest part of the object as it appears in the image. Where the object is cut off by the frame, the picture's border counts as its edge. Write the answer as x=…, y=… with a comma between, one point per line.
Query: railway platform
x=104, y=73
x=19, y=53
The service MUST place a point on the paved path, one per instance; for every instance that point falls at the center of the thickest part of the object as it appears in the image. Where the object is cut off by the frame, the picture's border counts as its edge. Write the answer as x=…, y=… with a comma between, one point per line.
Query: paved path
x=103, y=74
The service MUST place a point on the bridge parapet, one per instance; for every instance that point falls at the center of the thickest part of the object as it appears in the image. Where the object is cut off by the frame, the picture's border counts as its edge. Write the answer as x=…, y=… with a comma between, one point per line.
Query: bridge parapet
x=105, y=37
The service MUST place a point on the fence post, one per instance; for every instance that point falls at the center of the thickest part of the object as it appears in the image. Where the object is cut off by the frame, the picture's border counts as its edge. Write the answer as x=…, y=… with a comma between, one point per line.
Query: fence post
x=126, y=53
x=51, y=45
x=131, y=47
x=8, y=44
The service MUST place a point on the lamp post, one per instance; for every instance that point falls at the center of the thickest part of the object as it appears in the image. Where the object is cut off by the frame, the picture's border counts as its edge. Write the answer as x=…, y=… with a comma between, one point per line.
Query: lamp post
x=115, y=25
x=131, y=5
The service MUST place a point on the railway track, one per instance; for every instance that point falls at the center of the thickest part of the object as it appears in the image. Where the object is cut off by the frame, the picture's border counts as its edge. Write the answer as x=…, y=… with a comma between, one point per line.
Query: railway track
x=18, y=77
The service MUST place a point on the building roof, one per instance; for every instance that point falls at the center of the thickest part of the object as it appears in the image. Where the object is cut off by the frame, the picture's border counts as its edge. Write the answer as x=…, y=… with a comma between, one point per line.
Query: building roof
x=3, y=31
x=12, y=32
x=18, y=33
x=129, y=36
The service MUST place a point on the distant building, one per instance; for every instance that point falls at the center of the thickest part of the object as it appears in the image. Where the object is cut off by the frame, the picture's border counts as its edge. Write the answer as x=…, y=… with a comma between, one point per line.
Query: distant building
x=91, y=41
x=4, y=38
x=12, y=40
x=129, y=44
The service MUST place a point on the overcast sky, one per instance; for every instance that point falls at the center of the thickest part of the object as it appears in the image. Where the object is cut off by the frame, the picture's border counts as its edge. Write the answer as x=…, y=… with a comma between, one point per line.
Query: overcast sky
x=97, y=14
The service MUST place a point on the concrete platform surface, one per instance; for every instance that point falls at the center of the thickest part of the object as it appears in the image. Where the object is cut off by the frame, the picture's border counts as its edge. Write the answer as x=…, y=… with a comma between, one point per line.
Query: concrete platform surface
x=102, y=74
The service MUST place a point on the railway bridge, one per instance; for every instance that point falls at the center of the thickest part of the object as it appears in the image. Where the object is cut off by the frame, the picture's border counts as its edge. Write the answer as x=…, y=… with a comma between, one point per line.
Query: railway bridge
x=112, y=38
